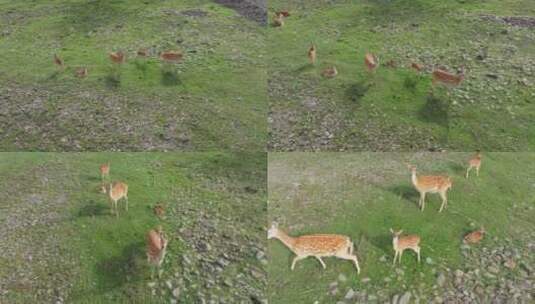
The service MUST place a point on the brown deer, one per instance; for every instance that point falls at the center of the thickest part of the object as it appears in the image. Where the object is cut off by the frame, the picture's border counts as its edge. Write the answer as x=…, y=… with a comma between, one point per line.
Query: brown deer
x=474, y=162
x=159, y=210
x=117, y=57
x=285, y=14
x=156, y=248
x=329, y=72
x=431, y=184
x=81, y=72
x=448, y=79
x=474, y=237
x=171, y=56
x=143, y=52
x=418, y=67
x=58, y=61
x=312, y=54
x=371, y=62
x=316, y=245
x=105, y=171
x=401, y=243
x=117, y=191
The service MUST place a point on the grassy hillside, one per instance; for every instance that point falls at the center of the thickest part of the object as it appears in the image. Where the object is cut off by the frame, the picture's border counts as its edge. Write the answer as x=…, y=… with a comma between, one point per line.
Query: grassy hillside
x=363, y=195
x=393, y=110
x=215, y=98
x=59, y=241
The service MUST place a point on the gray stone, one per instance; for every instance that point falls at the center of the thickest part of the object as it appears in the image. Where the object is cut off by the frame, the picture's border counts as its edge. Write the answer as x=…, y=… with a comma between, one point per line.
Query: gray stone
x=350, y=294
x=405, y=298
x=342, y=278
x=441, y=279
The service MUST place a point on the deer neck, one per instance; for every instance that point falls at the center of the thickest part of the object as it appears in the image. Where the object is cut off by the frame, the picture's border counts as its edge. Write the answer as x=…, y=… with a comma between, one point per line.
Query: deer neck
x=395, y=242
x=287, y=240
x=414, y=178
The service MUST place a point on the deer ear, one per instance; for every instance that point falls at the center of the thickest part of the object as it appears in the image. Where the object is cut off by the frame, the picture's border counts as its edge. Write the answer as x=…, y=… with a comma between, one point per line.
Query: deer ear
x=392, y=230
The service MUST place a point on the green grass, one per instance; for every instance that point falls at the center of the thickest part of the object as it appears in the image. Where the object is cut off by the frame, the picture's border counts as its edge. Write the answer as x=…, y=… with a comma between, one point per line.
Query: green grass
x=215, y=98
x=363, y=195
x=103, y=257
x=393, y=110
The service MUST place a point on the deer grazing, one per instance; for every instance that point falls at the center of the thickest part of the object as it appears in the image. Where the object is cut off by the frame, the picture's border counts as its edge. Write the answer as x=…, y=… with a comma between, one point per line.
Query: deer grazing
x=312, y=54
x=441, y=76
x=105, y=171
x=329, y=72
x=431, y=184
x=474, y=237
x=81, y=72
x=474, y=162
x=371, y=62
x=156, y=248
x=117, y=57
x=401, y=243
x=316, y=245
x=171, y=56
x=418, y=67
x=115, y=192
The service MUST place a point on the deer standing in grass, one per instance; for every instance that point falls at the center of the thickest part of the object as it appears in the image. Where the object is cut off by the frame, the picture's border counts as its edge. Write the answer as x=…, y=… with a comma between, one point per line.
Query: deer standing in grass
x=401, y=243
x=431, y=184
x=316, y=245
x=105, y=171
x=474, y=162
x=117, y=191
x=447, y=79
x=117, y=57
x=171, y=56
x=156, y=248
x=278, y=20
x=312, y=54
x=329, y=72
x=371, y=62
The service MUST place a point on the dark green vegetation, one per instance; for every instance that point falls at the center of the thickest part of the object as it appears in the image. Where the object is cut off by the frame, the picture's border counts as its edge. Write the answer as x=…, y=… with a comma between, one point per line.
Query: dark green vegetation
x=393, y=110
x=364, y=195
x=59, y=241
x=215, y=98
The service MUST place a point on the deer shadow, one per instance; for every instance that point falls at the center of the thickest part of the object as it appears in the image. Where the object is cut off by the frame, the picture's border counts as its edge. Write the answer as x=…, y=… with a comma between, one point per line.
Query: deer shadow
x=91, y=209
x=115, y=271
x=383, y=242
x=304, y=68
x=357, y=90
x=112, y=81
x=435, y=110
x=170, y=78
x=458, y=169
x=405, y=192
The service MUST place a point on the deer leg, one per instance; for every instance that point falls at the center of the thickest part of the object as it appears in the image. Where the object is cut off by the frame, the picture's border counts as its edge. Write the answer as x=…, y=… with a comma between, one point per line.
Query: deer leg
x=116, y=211
x=350, y=257
x=444, y=201
x=417, y=250
x=400, y=254
x=297, y=258
x=468, y=171
x=126, y=198
x=395, y=257
x=422, y=200
x=321, y=261
x=477, y=171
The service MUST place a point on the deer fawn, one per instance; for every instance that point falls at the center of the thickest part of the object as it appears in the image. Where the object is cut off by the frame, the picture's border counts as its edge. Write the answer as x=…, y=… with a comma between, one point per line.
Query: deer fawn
x=312, y=54
x=105, y=171
x=159, y=210
x=156, y=248
x=172, y=56
x=404, y=242
x=81, y=72
x=474, y=237
x=474, y=162
x=371, y=62
x=117, y=191
x=117, y=57
x=431, y=184
x=448, y=79
x=316, y=245
x=329, y=72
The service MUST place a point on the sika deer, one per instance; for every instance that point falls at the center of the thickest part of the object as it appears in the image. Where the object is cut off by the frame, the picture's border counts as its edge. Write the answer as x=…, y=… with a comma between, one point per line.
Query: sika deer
x=117, y=191
x=474, y=237
x=81, y=72
x=371, y=62
x=105, y=171
x=171, y=56
x=156, y=248
x=431, y=184
x=278, y=20
x=159, y=210
x=117, y=57
x=329, y=72
x=474, y=162
x=448, y=79
x=404, y=242
x=312, y=54
x=316, y=245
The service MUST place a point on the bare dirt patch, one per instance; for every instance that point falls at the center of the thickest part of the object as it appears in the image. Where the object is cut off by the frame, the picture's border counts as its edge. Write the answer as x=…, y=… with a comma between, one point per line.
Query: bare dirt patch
x=252, y=9
x=518, y=21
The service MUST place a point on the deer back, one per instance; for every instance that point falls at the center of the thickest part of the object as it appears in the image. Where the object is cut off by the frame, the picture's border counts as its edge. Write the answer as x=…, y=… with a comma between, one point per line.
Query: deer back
x=321, y=244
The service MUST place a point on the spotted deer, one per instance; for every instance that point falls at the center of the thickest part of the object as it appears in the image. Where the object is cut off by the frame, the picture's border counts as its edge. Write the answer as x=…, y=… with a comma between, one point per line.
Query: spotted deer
x=329, y=72
x=371, y=62
x=278, y=19
x=401, y=243
x=474, y=237
x=105, y=171
x=474, y=162
x=117, y=57
x=431, y=184
x=117, y=191
x=156, y=248
x=448, y=79
x=172, y=56
x=316, y=245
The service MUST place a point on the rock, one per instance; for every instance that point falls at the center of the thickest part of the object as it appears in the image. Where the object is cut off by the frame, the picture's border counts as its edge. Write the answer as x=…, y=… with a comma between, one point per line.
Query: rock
x=459, y=273
x=342, y=278
x=169, y=284
x=395, y=299
x=365, y=280
x=350, y=294
x=383, y=258
x=405, y=298
x=151, y=284
x=493, y=269
x=509, y=263
x=429, y=260
x=176, y=293
x=441, y=279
